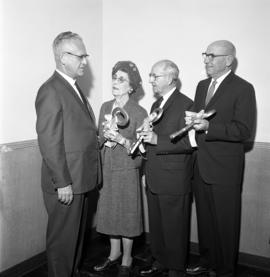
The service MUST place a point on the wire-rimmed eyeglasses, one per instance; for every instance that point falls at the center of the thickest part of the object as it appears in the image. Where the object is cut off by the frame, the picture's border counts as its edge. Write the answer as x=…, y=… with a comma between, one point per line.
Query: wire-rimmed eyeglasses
x=81, y=57
x=120, y=79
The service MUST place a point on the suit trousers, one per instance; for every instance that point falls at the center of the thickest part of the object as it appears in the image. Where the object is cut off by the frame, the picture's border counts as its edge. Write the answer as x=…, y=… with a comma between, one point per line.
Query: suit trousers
x=169, y=228
x=218, y=216
x=65, y=233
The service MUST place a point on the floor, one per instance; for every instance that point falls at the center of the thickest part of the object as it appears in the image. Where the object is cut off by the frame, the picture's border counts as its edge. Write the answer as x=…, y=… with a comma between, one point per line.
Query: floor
x=97, y=249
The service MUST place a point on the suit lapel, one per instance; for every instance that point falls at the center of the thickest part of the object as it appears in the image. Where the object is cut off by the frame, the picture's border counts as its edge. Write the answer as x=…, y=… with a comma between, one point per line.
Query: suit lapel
x=170, y=100
x=220, y=90
x=74, y=94
x=90, y=110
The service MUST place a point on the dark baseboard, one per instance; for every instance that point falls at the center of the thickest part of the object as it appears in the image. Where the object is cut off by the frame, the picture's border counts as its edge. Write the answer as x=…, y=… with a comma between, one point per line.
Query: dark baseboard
x=35, y=262
x=25, y=266
x=244, y=259
x=248, y=260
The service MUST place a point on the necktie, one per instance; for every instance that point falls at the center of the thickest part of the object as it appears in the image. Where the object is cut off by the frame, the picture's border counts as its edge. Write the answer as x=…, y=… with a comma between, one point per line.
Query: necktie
x=210, y=92
x=157, y=103
x=87, y=105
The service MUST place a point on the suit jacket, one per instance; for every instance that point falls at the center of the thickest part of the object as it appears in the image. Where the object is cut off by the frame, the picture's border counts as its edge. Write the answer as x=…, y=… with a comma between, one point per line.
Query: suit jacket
x=168, y=166
x=67, y=138
x=120, y=158
x=220, y=153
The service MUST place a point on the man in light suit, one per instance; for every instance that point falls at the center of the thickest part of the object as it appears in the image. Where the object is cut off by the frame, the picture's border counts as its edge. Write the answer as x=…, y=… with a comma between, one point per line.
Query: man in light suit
x=68, y=142
x=168, y=172
x=220, y=158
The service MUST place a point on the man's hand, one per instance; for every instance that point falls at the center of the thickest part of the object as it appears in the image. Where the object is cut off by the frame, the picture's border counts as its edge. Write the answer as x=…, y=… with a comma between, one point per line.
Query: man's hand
x=191, y=116
x=149, y=137
x=200, y=124
x=65, y=195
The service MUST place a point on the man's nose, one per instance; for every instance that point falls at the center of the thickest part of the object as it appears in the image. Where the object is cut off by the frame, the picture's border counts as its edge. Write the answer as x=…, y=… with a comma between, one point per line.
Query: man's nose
x=84, y=60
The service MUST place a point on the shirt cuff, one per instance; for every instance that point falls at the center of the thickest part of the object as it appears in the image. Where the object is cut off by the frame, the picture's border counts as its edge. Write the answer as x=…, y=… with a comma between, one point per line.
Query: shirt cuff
x=191, y=136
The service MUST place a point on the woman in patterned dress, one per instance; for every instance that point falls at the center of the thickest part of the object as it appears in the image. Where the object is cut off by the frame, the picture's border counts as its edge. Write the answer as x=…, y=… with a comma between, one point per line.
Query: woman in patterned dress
x=119, y=212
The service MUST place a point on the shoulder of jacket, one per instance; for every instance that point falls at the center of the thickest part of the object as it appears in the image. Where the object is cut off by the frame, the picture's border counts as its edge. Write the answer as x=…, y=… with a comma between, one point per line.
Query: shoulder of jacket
x=183, y=97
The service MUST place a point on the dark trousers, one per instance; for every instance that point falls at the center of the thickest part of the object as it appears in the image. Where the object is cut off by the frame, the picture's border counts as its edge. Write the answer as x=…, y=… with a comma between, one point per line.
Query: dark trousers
x=169, y=228
x=65, y=232
x=218, y=210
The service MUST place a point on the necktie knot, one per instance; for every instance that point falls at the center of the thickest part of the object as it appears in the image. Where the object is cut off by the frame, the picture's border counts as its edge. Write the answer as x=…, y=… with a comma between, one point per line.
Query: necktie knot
x=157, y=103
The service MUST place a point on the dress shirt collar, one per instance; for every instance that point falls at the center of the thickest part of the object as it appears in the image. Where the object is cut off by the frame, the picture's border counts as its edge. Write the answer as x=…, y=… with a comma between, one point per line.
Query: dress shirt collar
x=166, y=97
x=67, y=78
x=220, y=79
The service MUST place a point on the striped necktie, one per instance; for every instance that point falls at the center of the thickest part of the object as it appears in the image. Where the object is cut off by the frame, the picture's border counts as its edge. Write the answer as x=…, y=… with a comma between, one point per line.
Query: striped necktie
x=210, y=92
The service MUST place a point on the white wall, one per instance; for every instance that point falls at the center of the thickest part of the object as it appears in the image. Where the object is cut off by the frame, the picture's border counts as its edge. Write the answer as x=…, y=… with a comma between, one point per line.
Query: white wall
x=147, y=31
x=27, y=32
x=142, y=31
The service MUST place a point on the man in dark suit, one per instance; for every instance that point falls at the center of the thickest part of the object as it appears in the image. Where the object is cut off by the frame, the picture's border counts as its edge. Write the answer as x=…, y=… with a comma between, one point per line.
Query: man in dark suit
x=168, y=172
x=68, y=142
x=220, y=158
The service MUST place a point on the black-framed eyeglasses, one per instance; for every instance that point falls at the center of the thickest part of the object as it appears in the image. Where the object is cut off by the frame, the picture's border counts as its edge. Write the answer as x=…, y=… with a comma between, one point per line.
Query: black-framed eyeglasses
x=154, y=76
x=211, y=56
x=81, y=57
x=120, y=80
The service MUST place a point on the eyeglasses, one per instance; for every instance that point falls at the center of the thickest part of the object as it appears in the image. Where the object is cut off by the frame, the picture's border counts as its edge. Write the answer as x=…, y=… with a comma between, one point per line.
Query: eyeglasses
x=211, y=56
x=120, y=80
x=81, y=57
x=154, y=76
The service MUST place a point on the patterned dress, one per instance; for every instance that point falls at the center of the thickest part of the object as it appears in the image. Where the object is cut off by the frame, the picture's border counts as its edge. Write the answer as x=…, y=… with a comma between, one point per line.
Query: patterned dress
x=119, y=209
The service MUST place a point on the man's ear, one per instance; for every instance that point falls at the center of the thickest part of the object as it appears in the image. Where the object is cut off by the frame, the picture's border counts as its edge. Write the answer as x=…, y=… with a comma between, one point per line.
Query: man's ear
x=229, y=60
x=170, y=79
x=63, y=58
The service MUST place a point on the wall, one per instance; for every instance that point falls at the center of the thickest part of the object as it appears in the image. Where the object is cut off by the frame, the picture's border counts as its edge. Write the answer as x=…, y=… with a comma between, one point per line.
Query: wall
x=141, y=31
x=22, y=215
x=27, y=29
x=255, y=221
x=147, y=31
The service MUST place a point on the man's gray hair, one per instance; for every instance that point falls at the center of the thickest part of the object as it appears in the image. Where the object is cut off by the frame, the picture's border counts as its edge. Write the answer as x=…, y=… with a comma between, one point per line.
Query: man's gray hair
x=62, y=38
x=170, y=68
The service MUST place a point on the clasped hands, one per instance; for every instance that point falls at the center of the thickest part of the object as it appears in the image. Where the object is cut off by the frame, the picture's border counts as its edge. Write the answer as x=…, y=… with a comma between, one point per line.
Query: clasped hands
x=113, y=135
x=110, y=130
x=197, y=120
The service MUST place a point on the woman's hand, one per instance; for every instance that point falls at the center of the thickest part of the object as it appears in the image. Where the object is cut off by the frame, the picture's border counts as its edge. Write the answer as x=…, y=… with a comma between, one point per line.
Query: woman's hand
x=112, y=135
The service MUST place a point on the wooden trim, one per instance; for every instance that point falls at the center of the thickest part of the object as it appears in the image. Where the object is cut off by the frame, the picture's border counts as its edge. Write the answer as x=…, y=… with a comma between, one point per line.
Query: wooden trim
x=35, y=262
x=248, y=260
x=34, y=143
x=26, y=266
x=264, y=145
x=7, y=147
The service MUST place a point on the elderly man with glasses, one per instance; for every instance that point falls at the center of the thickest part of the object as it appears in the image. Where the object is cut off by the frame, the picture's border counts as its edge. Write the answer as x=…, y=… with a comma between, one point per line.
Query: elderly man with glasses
x=168, y=171
x=219, y=160
x=67, y=136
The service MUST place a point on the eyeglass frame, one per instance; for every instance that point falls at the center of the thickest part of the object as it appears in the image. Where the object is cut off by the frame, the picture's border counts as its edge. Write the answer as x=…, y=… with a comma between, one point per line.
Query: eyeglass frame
x=119, y=80
x=212, y=56
x=154, y=76
x=81, y=57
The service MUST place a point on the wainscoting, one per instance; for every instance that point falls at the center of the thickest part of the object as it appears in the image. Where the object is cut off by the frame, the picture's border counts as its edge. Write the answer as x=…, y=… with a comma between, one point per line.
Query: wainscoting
x=23, y=218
